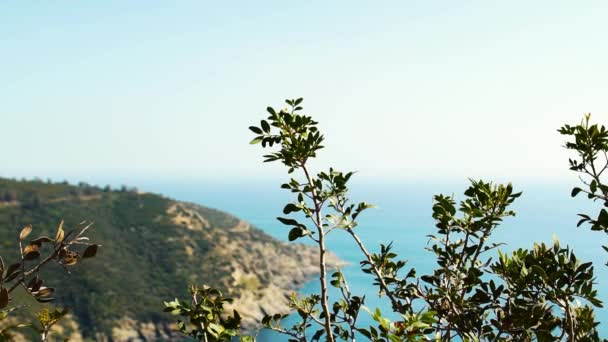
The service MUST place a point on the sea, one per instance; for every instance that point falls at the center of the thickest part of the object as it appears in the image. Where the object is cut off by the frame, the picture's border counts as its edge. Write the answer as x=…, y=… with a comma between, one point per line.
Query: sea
x=544, y=212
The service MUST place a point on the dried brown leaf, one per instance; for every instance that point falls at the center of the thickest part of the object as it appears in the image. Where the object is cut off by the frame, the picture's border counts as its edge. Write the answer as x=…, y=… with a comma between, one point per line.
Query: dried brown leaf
x=32, y=283
x=70, y=260
x=60, y=233
x=31, y=247
x=90, y=251
x=3, y=298
x=41, y=240
x=37, y=285
x=25, y=232
x=33, y=255
x=44, y=292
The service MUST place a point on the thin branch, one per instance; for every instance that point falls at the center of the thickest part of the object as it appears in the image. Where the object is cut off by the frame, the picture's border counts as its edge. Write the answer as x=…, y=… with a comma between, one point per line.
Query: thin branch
x=24, y=275
x=383, y=285
x=322, y=266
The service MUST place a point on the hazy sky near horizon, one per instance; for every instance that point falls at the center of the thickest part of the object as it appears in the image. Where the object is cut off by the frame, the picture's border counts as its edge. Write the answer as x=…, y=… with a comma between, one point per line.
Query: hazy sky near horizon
x=402, y=89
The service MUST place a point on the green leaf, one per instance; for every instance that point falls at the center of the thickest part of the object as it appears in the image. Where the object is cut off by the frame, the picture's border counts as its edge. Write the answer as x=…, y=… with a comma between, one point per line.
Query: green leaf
x=287, y=221
x=265, y=126
x=575, y=192
x=256, y=130
x=295, y=233
x=256, y=140
x=290, y=208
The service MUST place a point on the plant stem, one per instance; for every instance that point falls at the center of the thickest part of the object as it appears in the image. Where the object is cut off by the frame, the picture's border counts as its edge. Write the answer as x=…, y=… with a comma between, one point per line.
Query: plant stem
x=383, y=285
x=322, y=249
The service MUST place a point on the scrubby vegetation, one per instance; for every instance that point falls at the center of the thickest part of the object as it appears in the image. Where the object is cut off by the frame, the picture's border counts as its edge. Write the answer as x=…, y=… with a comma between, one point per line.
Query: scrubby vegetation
x=476, y=293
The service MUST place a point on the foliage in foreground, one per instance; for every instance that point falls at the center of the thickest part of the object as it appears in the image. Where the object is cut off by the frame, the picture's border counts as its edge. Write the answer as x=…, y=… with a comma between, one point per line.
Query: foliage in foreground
x=204, y=314
x=539, y=294
x=65, y=249
x=590, y=143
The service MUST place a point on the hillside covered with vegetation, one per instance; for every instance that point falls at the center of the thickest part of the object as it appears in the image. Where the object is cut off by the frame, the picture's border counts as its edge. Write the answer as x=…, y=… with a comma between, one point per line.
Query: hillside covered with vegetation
x=152, y=248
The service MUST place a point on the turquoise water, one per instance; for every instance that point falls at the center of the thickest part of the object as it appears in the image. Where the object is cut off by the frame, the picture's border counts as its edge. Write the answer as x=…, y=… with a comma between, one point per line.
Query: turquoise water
x=404, y=216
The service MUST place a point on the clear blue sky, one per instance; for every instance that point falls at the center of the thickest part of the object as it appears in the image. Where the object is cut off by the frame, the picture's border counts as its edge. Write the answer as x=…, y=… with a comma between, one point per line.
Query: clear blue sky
x=402, y=89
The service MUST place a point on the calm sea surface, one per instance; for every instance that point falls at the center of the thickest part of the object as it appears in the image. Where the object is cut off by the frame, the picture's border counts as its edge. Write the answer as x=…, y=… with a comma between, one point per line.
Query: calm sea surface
x=404, y=217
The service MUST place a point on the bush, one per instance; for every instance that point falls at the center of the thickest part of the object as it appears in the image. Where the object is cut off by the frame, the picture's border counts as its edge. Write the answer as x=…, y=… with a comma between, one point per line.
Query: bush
x=544, y=293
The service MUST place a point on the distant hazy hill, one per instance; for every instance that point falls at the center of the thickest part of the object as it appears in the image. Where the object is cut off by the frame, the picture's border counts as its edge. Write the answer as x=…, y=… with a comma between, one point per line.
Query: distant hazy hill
x=153, y=247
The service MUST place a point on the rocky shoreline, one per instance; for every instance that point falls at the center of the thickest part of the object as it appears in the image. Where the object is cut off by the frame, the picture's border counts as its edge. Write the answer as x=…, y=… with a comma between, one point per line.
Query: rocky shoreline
x=253, y=297
x=263, y=274
x=274, y=297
